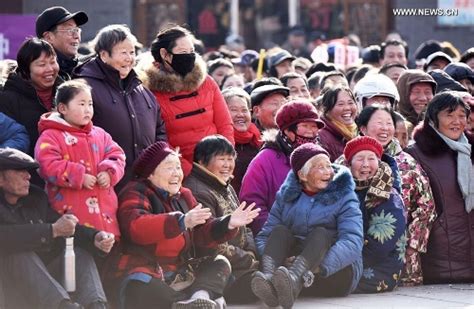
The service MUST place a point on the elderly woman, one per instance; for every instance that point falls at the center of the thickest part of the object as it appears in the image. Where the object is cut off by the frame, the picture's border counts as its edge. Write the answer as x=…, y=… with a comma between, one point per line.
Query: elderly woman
x=378, y=122
x=164, y=230
x=246, y=134
x=382, y=213
x=122, y=106
x=28, y=93
x=209, y=181
x=298, y=123
x=191, y=102
x=444, y=151
x=316, y=220
x=339, y=113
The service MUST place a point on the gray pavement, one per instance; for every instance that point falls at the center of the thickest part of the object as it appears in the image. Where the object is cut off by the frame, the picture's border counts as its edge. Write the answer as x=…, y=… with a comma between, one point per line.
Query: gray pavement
x=428, y=296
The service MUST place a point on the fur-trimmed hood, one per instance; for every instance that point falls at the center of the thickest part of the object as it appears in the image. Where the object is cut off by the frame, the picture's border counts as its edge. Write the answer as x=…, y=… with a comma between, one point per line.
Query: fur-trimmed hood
x=159, y=80
x=341, y=185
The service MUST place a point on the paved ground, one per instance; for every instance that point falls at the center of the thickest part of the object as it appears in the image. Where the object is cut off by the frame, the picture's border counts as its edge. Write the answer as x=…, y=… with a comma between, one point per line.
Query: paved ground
x=430, y=296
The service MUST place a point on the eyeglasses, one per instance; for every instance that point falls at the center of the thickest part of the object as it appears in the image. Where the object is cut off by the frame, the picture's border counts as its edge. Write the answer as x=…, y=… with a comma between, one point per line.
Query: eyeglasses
x=71, y=31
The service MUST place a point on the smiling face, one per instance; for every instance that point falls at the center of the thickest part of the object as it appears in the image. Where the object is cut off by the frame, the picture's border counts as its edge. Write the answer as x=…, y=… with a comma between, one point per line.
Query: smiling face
x=266, y=111
x=420, y=95
x=65, y=40
x=318, y=175
x=15, y=184
x=452, y=124
x=168, y=175
x=364, y=165
x=221, y=165
x=44, y=71
x=345, y=109
x=380, y=127
x=240, y=113
x=78, y=112
x=122, y=57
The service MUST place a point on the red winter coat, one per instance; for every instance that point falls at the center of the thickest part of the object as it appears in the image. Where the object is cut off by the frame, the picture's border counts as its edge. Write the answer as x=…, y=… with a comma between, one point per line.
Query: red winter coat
x=191, y=107
x=65, y=155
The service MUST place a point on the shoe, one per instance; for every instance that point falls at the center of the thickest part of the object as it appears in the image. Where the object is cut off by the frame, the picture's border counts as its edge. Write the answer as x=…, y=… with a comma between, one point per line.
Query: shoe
x=261, y=283
x=195, y=303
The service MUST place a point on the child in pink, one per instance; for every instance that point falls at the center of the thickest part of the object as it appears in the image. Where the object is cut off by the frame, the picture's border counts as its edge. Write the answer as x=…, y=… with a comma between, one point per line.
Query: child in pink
x=79, y=162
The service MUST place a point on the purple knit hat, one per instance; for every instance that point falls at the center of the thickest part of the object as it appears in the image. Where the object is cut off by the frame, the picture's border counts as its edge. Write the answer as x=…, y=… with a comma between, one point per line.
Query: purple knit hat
x=303, y=153
x=150, y=158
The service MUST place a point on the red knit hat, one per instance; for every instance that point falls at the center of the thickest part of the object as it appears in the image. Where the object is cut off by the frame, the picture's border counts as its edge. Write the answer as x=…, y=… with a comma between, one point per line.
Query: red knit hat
x=362, y=143
x=296, y=112
x=150, y=158
x=303, y=153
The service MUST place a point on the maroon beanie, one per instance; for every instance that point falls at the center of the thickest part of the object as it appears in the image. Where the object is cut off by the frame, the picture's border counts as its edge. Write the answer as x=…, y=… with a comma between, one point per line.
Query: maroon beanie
x=303, y=153
x=150, y=158
x=362, y=143
x=296, y=112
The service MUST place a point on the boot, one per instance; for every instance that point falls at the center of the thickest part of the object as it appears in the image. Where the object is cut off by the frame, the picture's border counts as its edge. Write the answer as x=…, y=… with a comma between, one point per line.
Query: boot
x=261, y=283
x=289, y=282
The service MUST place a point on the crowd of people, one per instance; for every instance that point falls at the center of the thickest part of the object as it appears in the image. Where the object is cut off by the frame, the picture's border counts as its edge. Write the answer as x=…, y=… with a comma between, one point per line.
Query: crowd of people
x=193, y=179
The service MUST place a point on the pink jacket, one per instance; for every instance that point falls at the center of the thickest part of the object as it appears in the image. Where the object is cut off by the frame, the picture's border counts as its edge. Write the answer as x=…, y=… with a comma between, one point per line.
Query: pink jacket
x=65, y=155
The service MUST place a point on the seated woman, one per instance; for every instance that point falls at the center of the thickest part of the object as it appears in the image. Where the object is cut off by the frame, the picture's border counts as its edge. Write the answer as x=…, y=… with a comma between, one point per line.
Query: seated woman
x=444, y=151
x=209, y=181
x=163, y=227
x=316, y=217
x=383, y=213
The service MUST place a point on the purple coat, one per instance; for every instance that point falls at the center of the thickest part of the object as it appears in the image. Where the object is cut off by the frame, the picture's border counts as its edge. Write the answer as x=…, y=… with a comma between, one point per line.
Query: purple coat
x=264, y=176
x=332, y=140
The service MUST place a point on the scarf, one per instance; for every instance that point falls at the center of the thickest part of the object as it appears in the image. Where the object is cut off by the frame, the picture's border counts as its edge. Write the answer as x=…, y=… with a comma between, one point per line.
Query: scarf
x=46, y=98
x=393, y=148
x=347, y=131
x=380, y=186
x=251, y=136
x=464, y=167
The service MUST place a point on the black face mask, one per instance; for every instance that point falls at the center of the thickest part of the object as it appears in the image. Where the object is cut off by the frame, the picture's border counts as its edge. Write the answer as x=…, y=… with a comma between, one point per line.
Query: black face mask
x=183, y=63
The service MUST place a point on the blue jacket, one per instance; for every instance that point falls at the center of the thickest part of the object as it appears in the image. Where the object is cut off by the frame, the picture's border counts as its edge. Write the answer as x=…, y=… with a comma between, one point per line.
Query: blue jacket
x=13, y=134
x=336, y=209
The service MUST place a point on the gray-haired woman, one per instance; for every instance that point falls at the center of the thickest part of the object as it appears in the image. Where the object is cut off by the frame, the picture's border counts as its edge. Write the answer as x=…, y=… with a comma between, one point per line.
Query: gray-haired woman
x=122, y=106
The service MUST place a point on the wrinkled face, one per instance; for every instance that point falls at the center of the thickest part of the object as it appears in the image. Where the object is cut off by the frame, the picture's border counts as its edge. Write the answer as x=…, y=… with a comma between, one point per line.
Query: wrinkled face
x=79, y=111
x=266, y=111
x=380, y=127
x=284, y=67
x=401, y=133
x=168, y=175
x=65, y=38
x=420, y=95
x=235, y=80
x=378, y=99
x=394, y=53
x=394, y=73
x=44, y=71
x=298, y=88
x=240, y=113
x=364, y=165
x=15, y=184
x=319, y=174
x=345, y=110
x=452, y=124
x=122, y=57
x=438, y=63
x=219, y=73
x=221, y=165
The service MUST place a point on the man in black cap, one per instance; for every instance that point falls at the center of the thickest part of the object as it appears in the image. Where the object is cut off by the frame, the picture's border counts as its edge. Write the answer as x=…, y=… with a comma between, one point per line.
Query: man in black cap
x=32, y=241
x=281, y=63
x=266, y=100
x=61, y=29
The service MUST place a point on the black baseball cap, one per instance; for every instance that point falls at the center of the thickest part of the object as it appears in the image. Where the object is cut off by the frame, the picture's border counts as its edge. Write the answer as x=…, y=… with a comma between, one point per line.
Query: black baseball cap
x=57, y=15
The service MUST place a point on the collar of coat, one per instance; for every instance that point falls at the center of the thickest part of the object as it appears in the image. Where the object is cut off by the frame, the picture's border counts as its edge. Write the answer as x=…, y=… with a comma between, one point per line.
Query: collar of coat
x=206, y=176
x=158, y=80
x=341, y=185
x=16, y=83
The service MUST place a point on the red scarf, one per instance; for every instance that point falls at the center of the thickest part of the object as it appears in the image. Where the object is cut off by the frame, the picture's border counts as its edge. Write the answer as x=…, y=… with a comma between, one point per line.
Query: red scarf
x=252, y=136
x=46, y=98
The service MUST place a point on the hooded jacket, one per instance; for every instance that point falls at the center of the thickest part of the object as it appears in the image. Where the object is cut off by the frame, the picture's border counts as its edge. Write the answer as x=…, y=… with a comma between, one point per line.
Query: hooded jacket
x=336, y=208
x=65, y=155
x=450, y=252
x=192, y=108
x=404, y=84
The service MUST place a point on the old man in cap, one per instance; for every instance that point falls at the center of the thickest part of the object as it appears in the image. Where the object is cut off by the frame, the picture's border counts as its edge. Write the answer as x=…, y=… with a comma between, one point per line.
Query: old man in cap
x=32, y=242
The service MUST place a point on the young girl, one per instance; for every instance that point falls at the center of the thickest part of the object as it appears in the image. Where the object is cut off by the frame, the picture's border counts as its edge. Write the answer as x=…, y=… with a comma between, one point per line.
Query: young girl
x=79, y=162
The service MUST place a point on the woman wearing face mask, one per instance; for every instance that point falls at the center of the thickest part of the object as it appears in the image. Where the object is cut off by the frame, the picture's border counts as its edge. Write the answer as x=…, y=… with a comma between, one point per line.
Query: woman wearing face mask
x=298, y=123
x=190, y=100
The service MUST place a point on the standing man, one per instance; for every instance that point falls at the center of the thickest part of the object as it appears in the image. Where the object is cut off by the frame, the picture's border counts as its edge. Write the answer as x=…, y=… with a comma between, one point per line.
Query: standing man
x=61, y=29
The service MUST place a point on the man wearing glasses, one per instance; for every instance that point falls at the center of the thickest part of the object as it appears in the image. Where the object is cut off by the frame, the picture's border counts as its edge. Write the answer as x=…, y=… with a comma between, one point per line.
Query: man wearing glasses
x=61, y=29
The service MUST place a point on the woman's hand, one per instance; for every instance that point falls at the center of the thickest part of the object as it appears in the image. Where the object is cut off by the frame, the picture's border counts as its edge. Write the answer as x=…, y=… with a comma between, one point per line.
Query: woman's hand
x=197, y=215
x=243, y=216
